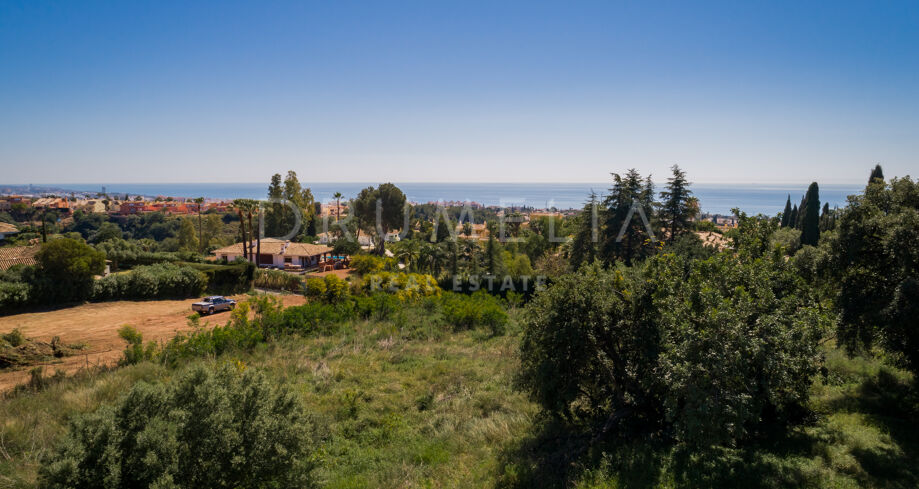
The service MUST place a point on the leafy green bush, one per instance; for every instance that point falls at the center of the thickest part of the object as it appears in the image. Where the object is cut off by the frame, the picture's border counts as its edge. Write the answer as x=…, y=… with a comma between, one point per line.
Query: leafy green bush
x=159, y=281
x=205, y=429
x=480, y=309
x=406, y=286
x=708, y=349
x=329, y=289
x=226, y=279
x=14, y=295
x=278, y=280
x=364, y=264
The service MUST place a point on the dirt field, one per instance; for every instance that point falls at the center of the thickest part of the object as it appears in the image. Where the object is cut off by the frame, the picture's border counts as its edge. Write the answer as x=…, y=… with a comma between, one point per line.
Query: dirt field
x=96, y=325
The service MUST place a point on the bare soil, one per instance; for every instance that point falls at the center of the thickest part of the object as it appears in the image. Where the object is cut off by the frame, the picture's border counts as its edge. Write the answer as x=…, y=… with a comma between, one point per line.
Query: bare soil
x=96, y=326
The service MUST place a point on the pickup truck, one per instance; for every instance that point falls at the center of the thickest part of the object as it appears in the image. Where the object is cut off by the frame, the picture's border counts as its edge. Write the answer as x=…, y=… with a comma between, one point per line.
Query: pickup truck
x=212, y=304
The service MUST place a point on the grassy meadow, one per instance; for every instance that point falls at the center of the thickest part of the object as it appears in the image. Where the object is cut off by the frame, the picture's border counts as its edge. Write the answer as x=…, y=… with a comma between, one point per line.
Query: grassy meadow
x=406, y=403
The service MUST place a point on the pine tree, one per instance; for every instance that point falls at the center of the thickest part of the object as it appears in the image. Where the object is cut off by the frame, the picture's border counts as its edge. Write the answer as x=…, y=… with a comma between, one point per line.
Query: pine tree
x=786, y=214
x=629, y=195
x=584, y=245
x=877, y=174
x=810, y=222
x=675, y=209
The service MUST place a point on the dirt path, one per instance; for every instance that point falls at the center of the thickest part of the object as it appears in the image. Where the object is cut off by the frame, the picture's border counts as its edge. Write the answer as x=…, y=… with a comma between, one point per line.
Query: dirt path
x=96, y=326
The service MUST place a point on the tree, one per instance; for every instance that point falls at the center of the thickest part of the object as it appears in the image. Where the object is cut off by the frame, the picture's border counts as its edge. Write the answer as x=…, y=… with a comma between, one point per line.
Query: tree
x=212, y=229
x=200, y=202
x=494, y=257
x=786, y=214
x=627, y=206
x=877, y=175
x=67, y=267
x=275, y=219
x=705, y=350
x=584, y=245
x=874, y=258
x=793, y=220
x=810, y=222
x=378, y=211
x=675, y=209
x=228, y=428
x=301, y=197
x=337, y=197
x=188, y=241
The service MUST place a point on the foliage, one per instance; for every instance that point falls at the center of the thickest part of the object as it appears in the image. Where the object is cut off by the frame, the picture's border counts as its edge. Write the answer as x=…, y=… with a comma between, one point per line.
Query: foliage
x=226, y=279
x=364, y=264
x=204, y=429
x=709, y=348
x=278, y=280
x=405, y=286
x=66, y=270
x=810, y=222
x=677, y=204
x=480, y=309
x=875, y=256
x=160, y=281
x=629, y=199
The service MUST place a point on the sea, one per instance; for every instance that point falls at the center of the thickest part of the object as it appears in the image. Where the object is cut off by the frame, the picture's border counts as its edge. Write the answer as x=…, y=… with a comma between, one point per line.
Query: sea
x=714, y=198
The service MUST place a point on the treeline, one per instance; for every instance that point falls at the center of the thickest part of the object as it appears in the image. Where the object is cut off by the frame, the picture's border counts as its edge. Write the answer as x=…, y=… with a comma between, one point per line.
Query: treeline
x=67, y=269
x=711, y=351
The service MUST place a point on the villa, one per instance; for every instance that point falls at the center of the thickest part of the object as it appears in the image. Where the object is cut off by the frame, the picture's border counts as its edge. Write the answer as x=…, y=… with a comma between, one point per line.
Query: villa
x=281, y=254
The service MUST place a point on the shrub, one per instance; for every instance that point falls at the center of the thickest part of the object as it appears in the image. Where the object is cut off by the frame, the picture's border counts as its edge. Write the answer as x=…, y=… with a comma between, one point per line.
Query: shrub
x=14, y=295
x=314, y=288
x=159, y=281
x=406, y=286
x=378, y=306
x=364, y=264
x=336, y=289
x=709, y=349
x=205, y=429
x=480, y=309
x=278, y=280
x=226, y=279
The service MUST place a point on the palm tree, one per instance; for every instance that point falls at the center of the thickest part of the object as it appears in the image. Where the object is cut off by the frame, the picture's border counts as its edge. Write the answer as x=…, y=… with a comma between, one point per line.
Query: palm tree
x=407, y=253
x=199, y=201
x=337, y=197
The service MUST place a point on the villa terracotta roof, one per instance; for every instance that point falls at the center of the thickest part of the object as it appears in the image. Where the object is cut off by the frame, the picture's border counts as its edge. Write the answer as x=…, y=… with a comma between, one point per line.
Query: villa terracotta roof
x=306, y=249
x=18, y=255
x=271, y=246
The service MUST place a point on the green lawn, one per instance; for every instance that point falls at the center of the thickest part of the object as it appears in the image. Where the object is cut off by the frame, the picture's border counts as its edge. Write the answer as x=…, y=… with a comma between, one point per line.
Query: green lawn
x=405, y=404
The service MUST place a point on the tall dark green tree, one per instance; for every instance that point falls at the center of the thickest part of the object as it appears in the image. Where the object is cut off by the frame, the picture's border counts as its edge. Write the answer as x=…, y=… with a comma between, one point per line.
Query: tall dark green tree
x=810, y=222
x=875, y=258
x=625, y=234
x=494, y=256
x=799, y=219
x=675, y=210
x=586, y=238
x=793, y=218
x=274, y=218
x=877, y=174
x=786, y=214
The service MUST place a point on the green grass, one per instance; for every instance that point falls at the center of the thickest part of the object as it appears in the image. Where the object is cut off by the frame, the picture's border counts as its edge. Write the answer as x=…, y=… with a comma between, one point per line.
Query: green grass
x=409, y=404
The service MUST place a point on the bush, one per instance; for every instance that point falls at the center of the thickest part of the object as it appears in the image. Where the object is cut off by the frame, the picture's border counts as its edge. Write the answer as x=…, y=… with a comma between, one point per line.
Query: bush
x=480, y=309
x=162, y=281
x=226, y=279
x=708, y=349
x=14, y=295
x=205, y=429
x=278, y=280
x=364, y=264
x=406, y=286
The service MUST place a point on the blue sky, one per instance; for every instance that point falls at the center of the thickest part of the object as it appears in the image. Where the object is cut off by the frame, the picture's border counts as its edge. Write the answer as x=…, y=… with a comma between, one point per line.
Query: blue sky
x=780, y=92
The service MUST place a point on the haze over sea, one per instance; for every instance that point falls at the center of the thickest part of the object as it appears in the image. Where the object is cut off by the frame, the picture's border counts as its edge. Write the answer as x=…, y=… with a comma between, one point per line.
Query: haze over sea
x=715, y=198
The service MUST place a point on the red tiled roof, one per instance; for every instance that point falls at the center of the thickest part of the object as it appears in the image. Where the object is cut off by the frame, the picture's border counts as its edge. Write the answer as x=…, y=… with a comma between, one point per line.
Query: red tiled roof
x=18, y=255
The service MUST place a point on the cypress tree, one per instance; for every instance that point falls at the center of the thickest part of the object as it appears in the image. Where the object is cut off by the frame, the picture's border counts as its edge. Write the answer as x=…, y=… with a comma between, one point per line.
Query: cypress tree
x=786, y=214
x=876, y=175
x=810, y=222
x=793, y=218
x=799, y=222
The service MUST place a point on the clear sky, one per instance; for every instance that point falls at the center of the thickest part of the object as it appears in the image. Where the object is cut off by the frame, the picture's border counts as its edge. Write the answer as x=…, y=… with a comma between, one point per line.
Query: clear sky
x=160, y=91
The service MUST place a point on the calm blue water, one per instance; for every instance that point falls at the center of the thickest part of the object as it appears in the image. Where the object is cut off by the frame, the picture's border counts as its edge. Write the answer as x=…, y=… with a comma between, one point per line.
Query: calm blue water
x=715, y=198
